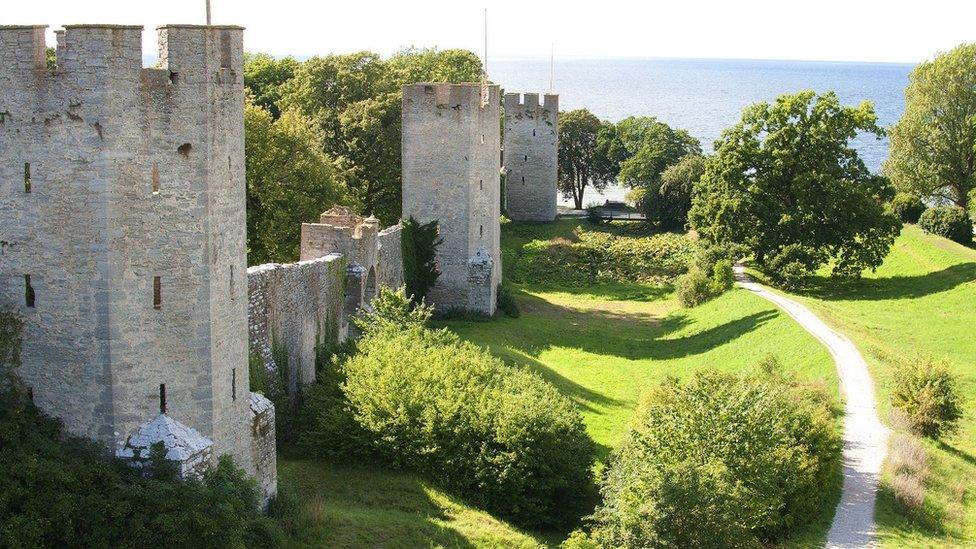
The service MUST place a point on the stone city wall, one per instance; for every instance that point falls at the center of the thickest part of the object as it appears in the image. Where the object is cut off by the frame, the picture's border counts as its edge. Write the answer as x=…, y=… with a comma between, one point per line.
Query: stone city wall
x=389, y=264
x=292, y=309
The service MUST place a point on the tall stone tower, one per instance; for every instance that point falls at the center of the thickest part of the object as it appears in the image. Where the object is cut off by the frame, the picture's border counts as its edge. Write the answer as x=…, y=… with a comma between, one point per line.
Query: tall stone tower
x=122, y=238
x=531, y=153
x=451, y=161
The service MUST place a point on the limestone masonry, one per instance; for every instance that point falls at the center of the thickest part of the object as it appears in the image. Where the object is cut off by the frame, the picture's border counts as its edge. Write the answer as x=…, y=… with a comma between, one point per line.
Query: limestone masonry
x=122, y=239
x=295, y=308
x=451, y=162
x=531, y=152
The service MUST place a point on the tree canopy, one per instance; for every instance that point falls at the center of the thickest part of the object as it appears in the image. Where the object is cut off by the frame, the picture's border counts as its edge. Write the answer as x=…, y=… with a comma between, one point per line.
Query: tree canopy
x=786, y=183
x=290, y=180
x=589, y=154
x=933, y=146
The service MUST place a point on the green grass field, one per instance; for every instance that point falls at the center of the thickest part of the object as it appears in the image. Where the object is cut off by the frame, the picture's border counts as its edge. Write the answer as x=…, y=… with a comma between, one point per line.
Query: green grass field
x=921, y=302
x=603, y=347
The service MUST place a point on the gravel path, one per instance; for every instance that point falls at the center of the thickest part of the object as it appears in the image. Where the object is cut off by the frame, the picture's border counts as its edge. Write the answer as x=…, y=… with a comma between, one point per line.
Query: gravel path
x=865, y=437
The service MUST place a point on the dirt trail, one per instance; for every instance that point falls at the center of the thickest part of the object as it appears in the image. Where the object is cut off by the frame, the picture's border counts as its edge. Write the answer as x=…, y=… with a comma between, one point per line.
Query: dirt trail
x=865, y=437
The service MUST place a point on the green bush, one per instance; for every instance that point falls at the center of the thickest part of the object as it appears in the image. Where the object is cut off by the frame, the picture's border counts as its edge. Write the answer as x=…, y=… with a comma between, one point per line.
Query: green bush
x=61, y=491
x=591, y=257
x=419, y=244
x=928, y=394
x=500, y=437
x=721, y=461
x=951, y=222
x=693, y=288
x=723, y=278
x=506, y=302
x=792, y=266
x=907, y=207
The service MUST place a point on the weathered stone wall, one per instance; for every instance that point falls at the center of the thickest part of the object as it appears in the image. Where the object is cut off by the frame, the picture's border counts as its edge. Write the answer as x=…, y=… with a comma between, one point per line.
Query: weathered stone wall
x=531, y=152
x=451, y=161
x=263, y=451
x=389, y=270
x=114, y=177
x=293, y=308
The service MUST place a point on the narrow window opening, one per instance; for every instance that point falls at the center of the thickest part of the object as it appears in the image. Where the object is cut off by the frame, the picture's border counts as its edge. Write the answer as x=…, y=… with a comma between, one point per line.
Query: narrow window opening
x=28, y=291
x=174, y=77
x=533, y=133
x=233, y=384
x=482, y=139
x=481, y=184
x=27, y=177
x=162, y=398
x=155, y=179
x=225, y=50
x=157, y=293
x=232, y=282
x=526, y=158
x=481, y=230
x=523, y=180
x=30, y=393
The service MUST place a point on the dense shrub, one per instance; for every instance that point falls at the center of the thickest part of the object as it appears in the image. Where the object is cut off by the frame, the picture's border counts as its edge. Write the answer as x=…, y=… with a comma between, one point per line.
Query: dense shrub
x=908, y=207
x=501, y=437
x=590, y=257
x=56, y=490
x=928, y=395
x=723, y=278
x=693, y=288
x=721, y=461
x=951, y=222
x=419, y=244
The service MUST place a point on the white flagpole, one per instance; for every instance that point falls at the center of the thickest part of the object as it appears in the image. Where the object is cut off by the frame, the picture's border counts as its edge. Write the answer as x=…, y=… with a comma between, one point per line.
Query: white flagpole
x=208, y=12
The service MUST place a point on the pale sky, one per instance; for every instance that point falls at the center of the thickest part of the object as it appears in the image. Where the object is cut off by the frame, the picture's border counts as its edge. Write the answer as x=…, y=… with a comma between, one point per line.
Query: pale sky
x=832, y=30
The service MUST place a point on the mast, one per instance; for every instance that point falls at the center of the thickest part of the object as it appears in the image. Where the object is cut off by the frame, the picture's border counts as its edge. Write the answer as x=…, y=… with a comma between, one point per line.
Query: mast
x=208, y=12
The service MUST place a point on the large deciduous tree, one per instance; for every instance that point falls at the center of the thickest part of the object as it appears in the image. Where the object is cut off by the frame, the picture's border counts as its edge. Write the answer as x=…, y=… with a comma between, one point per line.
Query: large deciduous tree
x=786, y=183
x=933, y=146
x=264, y=76
x=589, y=154
x=289, y=181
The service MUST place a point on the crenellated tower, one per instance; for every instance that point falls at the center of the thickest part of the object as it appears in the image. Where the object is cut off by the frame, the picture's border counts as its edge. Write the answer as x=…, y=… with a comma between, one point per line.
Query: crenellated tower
x=122, y=243
x=451, y=163
x=531, y=146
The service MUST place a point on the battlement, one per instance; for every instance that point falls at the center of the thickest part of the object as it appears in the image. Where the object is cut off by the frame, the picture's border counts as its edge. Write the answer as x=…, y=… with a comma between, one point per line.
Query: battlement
x=340, y=230
x=465, y=96
x=514, y=103
x=99, y=48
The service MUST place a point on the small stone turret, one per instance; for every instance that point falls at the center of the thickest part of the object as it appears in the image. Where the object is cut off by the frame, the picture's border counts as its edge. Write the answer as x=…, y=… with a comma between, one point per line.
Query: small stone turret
x=531, y=156
x=451, y=170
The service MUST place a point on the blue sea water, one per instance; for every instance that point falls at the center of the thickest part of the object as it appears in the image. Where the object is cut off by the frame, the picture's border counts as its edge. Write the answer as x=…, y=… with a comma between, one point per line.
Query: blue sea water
x=704, y=96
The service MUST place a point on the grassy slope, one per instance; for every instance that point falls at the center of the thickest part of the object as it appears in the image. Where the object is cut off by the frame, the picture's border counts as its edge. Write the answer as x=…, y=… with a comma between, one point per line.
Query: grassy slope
x=346, y=506
x=922, y=301
x=603, y=346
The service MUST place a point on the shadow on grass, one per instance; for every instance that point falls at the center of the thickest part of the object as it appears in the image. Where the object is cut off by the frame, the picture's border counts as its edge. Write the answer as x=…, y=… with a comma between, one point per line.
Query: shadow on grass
x=893, y=287
x=965, y=456
x=361, y=506
x=617, y=291
x=634, y=336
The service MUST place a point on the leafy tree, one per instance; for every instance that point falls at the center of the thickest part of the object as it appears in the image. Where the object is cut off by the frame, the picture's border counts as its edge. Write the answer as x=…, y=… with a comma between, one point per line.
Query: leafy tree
x=355, y=99
x=669, y=207
x=589, y=153
x=289, y=181
x=933, y=146
x=419, y=242
x=786, y=183
x=264, y=76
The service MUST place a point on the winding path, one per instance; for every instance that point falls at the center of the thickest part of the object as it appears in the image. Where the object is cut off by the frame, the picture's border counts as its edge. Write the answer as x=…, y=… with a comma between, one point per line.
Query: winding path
x=865, y=437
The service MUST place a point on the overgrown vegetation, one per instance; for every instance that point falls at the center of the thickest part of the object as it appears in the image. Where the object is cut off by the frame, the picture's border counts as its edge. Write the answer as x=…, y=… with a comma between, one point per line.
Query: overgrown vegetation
x=722, y=460
x=926, y=392
x=57, y=490
x=951, y=222
x=419, y=242
x=907, y=206
x=592, y=256
x=422, y=400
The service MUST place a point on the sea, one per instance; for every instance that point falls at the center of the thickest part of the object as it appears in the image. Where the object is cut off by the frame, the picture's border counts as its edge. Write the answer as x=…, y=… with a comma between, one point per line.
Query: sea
x=704, y=96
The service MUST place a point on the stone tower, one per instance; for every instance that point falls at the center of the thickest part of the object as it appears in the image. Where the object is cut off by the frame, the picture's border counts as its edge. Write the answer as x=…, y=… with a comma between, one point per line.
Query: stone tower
x=531, y=152
x=122, y=238
x=451, y=161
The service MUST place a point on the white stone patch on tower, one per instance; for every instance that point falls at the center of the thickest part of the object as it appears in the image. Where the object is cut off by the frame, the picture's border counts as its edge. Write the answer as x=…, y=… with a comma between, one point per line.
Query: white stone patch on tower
x=187, y=448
